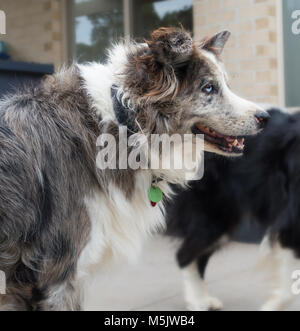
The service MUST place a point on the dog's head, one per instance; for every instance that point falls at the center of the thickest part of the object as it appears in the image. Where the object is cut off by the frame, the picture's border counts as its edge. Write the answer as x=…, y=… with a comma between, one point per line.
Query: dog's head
x=179, y=86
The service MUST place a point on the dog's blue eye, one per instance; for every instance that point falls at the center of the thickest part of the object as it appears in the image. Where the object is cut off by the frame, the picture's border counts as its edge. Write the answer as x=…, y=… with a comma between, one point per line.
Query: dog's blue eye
x=208, y=89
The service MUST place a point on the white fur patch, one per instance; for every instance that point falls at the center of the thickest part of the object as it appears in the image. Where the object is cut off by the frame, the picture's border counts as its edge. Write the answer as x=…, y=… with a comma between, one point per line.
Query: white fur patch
x=281, y=264
x=98, y=80
x=119, y=226
x=196, y=296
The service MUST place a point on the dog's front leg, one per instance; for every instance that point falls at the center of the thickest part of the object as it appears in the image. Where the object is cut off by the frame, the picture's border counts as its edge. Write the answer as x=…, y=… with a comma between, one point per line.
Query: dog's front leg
x=195, y=292
x=284, y=264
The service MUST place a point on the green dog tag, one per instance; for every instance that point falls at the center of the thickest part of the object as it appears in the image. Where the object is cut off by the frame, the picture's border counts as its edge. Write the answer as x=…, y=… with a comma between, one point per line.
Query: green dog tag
x=155, y=194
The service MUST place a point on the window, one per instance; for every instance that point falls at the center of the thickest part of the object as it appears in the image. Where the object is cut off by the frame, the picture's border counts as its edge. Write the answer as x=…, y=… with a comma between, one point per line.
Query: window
x=148, y=15
x=291, y=46
x=97, y=23
x=94, y=25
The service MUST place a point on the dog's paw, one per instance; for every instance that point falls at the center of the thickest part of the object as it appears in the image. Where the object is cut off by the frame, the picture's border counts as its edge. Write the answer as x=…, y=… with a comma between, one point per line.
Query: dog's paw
x=205, y=304
x=275, y=304
x=270, y=306
x=278, y=301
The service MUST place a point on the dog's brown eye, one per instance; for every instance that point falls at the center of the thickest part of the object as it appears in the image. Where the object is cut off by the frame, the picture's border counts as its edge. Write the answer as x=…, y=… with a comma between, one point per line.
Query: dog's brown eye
x=208, y=89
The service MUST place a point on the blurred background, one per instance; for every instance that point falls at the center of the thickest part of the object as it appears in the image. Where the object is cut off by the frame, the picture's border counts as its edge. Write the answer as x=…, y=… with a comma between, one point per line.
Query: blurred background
x=261, y=57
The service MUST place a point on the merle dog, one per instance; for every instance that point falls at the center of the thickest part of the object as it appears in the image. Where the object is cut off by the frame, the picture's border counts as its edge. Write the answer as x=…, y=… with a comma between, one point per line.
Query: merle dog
x=62, y=216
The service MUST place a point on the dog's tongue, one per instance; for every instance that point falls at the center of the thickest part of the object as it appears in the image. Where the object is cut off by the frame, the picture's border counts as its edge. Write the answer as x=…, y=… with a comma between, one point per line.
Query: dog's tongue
x=227, y=141
x=230, y=140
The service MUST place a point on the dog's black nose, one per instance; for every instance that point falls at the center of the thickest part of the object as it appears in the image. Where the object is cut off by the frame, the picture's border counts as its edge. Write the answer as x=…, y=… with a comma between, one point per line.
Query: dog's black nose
x=262, y=118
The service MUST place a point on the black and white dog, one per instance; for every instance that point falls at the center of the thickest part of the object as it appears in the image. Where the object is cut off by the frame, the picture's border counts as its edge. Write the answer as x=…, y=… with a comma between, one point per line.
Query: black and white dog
x=264, y=183
x=61, y=216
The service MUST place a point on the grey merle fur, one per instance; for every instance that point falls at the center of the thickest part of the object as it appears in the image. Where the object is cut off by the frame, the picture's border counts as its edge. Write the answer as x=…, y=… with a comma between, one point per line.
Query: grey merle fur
x=47, y=164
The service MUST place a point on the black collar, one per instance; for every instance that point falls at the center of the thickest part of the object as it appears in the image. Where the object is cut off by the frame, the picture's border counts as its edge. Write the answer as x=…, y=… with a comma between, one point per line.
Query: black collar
x=124, y=115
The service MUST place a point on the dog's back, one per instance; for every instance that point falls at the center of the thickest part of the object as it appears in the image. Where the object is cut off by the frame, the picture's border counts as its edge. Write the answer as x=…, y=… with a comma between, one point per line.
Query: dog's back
x=43, y=131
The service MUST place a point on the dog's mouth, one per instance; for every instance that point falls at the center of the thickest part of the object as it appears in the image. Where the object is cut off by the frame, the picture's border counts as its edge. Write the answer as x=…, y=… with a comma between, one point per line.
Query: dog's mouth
x=228, y=144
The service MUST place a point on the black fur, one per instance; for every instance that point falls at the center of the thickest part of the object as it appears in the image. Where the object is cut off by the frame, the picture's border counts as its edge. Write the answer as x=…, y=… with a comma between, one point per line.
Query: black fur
x=265, y=182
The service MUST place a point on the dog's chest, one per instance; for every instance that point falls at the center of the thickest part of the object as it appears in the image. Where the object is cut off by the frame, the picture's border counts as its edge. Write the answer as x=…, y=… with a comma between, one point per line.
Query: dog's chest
x=118, y=227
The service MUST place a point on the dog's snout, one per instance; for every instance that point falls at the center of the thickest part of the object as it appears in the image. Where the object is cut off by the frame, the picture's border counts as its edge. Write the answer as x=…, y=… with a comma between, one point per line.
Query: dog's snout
x=261, y=118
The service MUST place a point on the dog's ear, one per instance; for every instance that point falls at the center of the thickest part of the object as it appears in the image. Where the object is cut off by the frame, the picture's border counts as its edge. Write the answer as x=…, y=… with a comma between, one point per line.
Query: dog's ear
x=171, y=46
x=152, y=71
x=216, y=43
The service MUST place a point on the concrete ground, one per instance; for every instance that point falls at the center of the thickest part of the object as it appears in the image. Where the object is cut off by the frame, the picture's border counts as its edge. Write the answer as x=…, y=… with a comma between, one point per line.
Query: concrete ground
x=154, y=283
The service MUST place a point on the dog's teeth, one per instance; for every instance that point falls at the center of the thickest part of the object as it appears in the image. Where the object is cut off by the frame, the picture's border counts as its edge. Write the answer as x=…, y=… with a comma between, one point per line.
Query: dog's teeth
x=241, y=142
x=235, y=143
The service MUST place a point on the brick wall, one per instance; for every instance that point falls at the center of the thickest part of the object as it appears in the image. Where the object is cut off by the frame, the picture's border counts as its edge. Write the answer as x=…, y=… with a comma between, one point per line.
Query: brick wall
x=35, y=34
x=34, y=30
x=251, y=53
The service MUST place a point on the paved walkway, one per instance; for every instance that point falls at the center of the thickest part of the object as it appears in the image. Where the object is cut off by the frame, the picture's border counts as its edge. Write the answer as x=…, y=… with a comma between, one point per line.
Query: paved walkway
x=154, y=283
